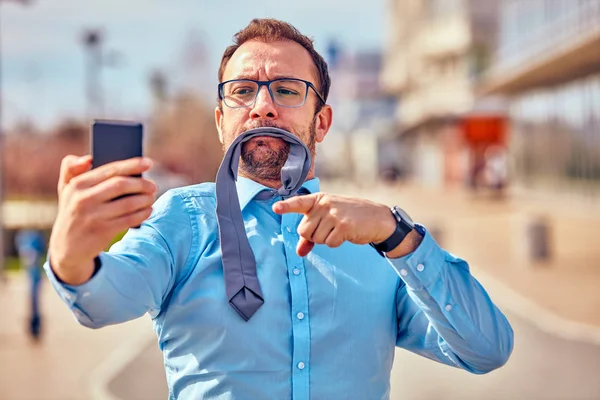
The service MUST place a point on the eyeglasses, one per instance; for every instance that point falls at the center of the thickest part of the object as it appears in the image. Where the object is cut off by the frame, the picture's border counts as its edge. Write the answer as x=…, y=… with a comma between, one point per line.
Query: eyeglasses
x=285, y=92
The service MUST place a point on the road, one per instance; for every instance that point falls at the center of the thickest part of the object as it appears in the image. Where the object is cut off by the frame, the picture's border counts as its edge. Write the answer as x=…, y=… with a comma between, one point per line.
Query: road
x=541, y=367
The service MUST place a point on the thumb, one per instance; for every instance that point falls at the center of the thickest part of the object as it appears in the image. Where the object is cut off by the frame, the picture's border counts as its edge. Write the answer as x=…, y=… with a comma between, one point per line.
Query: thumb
x=304, y=247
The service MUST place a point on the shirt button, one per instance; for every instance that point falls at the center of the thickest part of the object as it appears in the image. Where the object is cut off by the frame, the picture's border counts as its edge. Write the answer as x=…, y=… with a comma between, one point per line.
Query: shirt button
x=403, y=272
x=448, y=307
x=300, y=315
x=300, y=365
x=288, y=229
x=420, y=267
x=296, y=271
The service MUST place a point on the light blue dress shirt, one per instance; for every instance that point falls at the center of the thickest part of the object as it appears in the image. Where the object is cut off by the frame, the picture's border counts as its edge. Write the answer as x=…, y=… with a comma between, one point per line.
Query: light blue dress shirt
x=330, y=321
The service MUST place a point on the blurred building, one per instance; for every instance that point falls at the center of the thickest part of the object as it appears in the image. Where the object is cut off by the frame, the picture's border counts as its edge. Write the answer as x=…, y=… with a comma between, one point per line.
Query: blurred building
x=435, y=52
x=363, y=117
x=548, y=65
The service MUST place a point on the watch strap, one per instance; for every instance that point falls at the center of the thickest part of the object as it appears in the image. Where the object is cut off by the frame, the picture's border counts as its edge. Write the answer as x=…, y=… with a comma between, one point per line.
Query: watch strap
x=403, y=228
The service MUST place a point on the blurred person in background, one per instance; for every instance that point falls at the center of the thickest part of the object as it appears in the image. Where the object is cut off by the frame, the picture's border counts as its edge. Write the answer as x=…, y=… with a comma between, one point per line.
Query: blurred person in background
x=31, y=246
x=496, y=169
x=477, y=168
x=343, y=280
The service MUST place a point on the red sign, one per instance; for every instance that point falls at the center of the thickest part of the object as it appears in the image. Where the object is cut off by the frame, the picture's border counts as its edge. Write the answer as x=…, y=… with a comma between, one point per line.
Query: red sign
x=485, y=129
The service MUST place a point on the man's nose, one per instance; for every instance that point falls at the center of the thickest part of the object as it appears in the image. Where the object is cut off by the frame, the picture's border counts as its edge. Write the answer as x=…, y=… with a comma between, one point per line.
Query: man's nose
x=263, y=105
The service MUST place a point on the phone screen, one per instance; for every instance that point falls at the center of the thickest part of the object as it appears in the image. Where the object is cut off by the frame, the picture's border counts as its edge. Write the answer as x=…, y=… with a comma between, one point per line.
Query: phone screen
x=114, y=141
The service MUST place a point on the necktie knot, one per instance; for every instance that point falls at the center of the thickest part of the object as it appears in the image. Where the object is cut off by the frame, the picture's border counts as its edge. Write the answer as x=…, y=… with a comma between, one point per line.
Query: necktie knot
x=268, y=194
x=285, y=192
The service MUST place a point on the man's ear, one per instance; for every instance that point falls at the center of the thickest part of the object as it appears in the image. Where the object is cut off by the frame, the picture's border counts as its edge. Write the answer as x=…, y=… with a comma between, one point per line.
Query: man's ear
x=323, y=121
x=219, y=122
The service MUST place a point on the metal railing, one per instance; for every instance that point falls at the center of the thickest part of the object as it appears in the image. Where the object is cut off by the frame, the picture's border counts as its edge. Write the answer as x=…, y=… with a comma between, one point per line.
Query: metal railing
x=556, y=138
x=535, y=29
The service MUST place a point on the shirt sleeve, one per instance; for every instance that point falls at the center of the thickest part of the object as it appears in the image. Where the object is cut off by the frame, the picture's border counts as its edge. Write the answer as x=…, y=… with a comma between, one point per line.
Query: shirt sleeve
x=445, y=314
x=137, y=273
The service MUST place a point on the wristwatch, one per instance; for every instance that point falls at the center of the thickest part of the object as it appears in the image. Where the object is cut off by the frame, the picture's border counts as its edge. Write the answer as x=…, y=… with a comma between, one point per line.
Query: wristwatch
x=404, y=225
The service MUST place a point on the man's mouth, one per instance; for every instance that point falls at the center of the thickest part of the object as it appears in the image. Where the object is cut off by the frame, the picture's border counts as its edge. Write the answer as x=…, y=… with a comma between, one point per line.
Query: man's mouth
x=260, y=141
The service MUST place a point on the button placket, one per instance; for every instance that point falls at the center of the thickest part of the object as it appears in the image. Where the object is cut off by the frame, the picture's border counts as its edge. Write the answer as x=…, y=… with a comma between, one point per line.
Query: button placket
x=298, y=306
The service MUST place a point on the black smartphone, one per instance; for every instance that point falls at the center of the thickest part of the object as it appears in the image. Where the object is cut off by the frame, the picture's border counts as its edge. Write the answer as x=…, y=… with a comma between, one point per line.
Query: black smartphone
x=114, y=141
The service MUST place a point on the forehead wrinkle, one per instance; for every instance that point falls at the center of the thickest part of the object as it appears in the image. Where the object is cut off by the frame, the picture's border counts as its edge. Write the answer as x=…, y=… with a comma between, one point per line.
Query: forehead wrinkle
x=253, y=71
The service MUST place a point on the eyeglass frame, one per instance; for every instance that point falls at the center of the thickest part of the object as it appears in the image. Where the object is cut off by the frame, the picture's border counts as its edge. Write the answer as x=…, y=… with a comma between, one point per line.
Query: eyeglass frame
x=309, y=85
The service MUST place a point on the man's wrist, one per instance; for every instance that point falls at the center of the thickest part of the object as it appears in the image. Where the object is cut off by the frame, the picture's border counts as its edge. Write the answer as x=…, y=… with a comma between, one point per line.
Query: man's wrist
x=408, y=245
x=76, y=275
x=388, y=224
x=400, y=237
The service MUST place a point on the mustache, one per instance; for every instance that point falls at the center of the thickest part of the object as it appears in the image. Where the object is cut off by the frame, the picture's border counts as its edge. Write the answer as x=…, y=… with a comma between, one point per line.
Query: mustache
x=264, y=124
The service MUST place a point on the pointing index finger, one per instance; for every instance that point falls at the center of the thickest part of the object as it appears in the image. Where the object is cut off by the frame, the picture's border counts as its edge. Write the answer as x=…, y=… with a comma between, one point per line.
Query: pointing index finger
x=297, y=204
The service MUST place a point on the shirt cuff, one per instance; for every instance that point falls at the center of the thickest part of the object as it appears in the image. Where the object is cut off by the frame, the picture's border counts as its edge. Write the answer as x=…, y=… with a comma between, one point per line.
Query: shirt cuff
x=72, y=294
x=423, y=266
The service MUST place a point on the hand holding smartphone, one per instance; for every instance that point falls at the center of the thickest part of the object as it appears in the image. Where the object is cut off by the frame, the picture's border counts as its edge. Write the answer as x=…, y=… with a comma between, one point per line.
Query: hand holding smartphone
x=89, y=217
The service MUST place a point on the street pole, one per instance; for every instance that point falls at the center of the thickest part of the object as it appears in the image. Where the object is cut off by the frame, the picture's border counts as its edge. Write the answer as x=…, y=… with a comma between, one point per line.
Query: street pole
x=92, y=41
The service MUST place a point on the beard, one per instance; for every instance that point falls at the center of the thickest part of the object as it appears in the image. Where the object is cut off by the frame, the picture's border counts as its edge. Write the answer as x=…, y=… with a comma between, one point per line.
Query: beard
x=262, y=158
x=263, y=161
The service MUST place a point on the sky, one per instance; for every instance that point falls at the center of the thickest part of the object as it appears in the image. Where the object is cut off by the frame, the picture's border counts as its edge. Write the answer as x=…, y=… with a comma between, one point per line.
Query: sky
x=43, y=59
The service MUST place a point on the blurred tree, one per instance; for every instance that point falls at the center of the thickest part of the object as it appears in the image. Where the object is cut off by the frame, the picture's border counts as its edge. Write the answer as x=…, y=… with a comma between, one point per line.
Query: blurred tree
x=33, y=159
x=184, y=139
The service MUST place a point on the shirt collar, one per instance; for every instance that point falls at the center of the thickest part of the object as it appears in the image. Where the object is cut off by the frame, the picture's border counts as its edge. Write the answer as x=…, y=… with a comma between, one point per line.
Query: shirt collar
x=247, y=189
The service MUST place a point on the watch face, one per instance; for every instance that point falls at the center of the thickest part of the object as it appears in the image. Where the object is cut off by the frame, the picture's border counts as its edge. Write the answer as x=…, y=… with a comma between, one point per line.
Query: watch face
x=403, y=215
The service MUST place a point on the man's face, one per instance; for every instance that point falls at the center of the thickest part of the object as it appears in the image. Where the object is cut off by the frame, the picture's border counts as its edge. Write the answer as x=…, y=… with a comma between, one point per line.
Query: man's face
x=263, y=157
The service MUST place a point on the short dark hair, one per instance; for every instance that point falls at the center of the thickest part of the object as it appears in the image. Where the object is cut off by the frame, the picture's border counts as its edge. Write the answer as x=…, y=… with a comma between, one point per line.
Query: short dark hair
x=271, y=30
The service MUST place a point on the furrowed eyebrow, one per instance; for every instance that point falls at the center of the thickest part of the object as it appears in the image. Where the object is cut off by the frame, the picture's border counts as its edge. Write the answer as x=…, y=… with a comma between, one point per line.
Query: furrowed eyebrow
x=253, y=77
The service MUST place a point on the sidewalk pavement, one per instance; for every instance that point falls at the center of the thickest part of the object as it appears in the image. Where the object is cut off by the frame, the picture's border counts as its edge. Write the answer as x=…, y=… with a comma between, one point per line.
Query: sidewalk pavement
x=64, y=364
x=491, y=235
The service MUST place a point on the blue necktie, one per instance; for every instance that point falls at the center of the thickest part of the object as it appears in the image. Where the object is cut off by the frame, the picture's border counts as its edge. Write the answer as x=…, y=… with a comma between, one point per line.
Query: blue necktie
x=239, y=266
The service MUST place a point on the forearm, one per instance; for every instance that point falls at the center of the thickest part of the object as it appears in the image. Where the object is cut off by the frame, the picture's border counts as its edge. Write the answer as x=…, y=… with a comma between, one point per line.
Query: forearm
x=474, y=334
x=118, y=292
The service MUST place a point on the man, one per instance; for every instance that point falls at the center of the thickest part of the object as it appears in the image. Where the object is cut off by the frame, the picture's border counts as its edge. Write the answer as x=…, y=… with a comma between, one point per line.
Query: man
x=30, y=244
x=328, y=308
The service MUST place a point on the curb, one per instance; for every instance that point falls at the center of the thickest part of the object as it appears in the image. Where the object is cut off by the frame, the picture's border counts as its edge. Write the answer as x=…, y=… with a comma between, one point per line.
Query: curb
x=117, y=361
x=536, y=315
